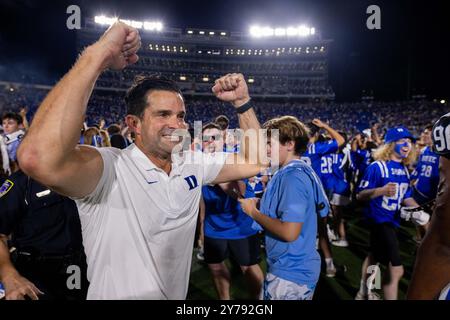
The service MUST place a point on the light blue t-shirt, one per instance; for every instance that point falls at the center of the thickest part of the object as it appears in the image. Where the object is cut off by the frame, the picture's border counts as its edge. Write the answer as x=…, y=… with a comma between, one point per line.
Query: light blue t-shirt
x=295, y=194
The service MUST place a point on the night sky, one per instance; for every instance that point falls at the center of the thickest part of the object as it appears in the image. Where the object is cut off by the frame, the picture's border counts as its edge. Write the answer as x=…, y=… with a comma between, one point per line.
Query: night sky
x=410, y=54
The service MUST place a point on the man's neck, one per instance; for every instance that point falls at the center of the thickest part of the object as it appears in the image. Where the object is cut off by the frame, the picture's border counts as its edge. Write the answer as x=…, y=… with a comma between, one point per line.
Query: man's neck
x=163, y=162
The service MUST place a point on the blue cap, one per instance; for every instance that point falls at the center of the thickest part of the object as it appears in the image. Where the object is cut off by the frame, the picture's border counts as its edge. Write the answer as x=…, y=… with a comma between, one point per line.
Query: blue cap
x=397, y=133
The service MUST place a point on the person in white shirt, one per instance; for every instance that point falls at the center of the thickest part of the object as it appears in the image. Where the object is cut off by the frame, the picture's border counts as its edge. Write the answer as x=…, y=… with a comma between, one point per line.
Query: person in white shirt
x=138, y=206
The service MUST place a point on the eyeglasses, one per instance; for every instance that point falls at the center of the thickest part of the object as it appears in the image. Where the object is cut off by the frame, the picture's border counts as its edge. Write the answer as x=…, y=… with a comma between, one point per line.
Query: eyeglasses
x=213, y=137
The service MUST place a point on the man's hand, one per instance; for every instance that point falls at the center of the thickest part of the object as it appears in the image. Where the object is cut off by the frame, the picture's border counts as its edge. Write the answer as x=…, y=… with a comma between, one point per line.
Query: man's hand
x=23, y=112
x=249, y=206
x=17, y=287
x=120, y=44
x=232, y=88
x=389, y=189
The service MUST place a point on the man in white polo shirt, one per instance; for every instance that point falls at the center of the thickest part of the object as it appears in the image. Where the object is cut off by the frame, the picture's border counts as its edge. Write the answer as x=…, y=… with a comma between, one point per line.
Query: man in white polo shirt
x=138, y=206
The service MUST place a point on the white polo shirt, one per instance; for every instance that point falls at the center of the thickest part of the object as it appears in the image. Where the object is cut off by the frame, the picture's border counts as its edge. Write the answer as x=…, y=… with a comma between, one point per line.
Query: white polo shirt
x=139, y=224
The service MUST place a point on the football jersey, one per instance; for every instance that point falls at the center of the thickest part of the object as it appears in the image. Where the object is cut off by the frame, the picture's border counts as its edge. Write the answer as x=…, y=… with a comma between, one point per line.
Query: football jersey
x=427, y=174
x=386, y=209
x=441, y=136
x=316, y=150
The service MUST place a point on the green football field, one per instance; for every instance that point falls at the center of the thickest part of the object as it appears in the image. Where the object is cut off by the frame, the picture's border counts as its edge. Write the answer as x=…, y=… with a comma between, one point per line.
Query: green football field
x=347, y=260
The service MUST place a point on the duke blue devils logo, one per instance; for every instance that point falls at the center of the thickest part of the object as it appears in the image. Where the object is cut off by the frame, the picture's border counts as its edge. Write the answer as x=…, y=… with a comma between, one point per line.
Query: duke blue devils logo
x=192, y=182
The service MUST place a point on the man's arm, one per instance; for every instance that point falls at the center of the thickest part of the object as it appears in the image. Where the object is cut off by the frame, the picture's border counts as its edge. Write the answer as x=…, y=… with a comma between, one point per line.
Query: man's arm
x=431, y=271
x=252, y=157
x=369, y=194
x=16, y=286
x=49, y=152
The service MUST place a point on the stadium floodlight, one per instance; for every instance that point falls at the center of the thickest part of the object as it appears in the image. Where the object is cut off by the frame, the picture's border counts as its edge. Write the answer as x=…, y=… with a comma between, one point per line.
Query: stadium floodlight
x=302, y=30
x=251, y=80
x=223, y=33
x=256, y=31
x=442, y=101
x=267, y=32
x=153, y=25
x=103, y=20
x=280, y=32
x=190, y=32
x=211, y=33
x=147, y=25
x=182, y=78
x=205, y=79
x=201, y=32
x=291, y=31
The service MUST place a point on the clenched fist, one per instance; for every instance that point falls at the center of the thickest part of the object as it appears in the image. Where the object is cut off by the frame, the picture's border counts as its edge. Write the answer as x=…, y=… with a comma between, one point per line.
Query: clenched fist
x=232, y=88
x=119, y=44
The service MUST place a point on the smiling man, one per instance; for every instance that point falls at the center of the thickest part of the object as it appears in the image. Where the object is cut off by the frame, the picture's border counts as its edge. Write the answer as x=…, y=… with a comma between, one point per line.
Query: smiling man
x=138, y=206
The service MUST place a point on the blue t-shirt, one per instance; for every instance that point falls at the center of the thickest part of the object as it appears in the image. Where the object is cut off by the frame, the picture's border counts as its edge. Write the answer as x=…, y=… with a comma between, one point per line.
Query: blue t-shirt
x=386, y=209
x=295, y=194
x=341, y=167
x=224, y=218
x=427, y=174
x=361, y=159
x=316, y=150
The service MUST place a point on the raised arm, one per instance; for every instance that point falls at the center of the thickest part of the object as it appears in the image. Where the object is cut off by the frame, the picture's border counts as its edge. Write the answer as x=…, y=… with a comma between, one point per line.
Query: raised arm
x=333, y=133
x=49, y=152
x=252, y=157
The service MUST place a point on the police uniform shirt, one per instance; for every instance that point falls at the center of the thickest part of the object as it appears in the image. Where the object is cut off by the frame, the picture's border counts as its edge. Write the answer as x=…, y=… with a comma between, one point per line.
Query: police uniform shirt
x=139, y=224
x=39, y=219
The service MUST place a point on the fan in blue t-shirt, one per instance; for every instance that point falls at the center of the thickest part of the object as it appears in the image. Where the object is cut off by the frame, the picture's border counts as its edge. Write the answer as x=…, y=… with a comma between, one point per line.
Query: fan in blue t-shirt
x=226, y=229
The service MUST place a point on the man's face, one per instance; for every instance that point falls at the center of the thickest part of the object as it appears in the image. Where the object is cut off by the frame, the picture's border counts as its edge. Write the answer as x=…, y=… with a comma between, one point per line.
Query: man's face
x=162, y=125
x=426, y=137
x=403, y=147
x=212, y=140
x=10, y=125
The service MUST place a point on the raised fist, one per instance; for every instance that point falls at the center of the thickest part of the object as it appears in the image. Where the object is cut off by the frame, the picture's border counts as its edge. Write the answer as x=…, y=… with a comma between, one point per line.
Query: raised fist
x=232, y=88
x=120, y=43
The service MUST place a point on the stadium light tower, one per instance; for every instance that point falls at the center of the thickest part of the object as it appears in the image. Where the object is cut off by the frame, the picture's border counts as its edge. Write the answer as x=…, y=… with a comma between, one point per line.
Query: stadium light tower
x=267, y=31
x=146, y=25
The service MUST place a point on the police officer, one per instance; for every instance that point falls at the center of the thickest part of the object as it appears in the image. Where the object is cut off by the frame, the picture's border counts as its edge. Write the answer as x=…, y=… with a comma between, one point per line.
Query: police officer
x=41, y=252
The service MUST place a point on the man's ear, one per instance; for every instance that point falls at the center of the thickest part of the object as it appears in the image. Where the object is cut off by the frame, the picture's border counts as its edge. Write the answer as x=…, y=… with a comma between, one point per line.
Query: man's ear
x=134, y=123
x=290, y=146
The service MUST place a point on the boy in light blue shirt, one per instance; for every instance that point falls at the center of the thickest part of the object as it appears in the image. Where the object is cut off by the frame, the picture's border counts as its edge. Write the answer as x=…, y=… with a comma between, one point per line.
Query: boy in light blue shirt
x=289, y=211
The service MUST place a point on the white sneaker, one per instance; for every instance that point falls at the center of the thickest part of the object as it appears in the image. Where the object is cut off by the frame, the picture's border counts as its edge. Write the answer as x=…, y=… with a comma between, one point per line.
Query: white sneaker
x=200, y=255
x=340, y=243
x=331, y=235
x=373, y=296
x=331, y=272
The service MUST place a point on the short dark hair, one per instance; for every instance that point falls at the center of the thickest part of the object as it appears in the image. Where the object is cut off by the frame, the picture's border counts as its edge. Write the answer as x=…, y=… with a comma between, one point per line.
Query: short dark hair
x=222, y=121
x=12, y=115
x=429, y=127
x=290, y=129
x=211, y=125
x=136, y=96
x=113, y=129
